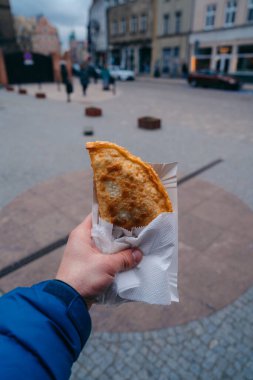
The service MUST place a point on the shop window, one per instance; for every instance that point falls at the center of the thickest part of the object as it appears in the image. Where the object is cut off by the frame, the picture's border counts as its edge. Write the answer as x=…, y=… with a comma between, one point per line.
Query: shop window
x=166, y=21
x=205, y=51
x=250, y=11
x=210, y=16
x=203, y=64
x=166, y=60
x=245, y=64
x=245, y=49
x=230, y=13
x=245, y=58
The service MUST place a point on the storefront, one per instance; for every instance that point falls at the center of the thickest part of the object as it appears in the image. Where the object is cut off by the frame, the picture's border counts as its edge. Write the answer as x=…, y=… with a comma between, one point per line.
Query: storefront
x=228, y=52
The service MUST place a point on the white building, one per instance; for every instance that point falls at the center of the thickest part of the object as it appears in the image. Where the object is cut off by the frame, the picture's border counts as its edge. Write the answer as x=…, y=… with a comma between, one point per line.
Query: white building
x=97, y=31
x=222, y=37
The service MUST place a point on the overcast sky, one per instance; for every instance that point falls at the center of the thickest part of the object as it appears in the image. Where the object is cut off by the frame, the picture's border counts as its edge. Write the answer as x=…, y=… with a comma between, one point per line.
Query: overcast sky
x=66, y=15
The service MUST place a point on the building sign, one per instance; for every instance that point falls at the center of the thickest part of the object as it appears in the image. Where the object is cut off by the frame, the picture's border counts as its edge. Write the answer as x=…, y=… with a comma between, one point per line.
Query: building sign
x=28, y=59
x=224, y=50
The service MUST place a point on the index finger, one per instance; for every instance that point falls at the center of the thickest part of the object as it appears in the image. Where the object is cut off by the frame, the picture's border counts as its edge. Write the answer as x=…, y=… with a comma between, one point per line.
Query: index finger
x=85, y=228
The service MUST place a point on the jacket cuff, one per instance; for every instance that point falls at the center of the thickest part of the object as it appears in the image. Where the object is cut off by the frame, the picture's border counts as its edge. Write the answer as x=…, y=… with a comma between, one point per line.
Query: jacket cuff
x=76, y=308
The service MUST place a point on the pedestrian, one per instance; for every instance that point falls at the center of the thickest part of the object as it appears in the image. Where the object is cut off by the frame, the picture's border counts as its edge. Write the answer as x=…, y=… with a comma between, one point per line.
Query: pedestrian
x=69, y=89
x=105, y=74
x=84, y=76
x=112, y=82
x=66, y=80
x=44, y=328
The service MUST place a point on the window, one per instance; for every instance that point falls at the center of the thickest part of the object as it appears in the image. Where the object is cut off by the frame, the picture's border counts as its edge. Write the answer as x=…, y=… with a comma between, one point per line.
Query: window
x=178, y=16
x=133, y=24
x=166, y=60
x=176, y=51
x=230, y=12
x=115, y=27
x=123, y=25
x=210, y=16
x=205, y=51
x=245, y=58
x=166, y=19
x=250, y=11
x=143, y=23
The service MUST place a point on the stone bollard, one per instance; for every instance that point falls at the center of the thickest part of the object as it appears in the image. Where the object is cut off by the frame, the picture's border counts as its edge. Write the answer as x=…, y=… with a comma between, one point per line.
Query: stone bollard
x=149, y=122
x=88, y=131
x=40, y=95
x=9, y=88
x=22, y=91
x=93, y=112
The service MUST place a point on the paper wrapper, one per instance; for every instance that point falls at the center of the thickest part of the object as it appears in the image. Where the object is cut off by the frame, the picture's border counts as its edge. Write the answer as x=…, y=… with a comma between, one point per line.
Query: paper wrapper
x=154, y=280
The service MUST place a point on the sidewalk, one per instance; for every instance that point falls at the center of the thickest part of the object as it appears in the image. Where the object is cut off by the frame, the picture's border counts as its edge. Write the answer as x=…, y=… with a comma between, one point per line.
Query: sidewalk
x=151, y=342
x=53, y=91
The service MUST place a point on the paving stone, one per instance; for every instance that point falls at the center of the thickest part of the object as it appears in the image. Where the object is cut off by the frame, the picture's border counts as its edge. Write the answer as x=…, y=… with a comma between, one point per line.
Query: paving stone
x=208, y=135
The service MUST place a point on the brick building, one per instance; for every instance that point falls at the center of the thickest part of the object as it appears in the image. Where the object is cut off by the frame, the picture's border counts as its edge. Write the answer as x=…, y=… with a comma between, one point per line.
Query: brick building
x=77, y=49
x=45, y=38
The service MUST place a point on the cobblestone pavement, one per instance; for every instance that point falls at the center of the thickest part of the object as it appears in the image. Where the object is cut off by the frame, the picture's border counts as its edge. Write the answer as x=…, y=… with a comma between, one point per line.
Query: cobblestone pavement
x=54, y=92
x=43, y=139
x=218, y=347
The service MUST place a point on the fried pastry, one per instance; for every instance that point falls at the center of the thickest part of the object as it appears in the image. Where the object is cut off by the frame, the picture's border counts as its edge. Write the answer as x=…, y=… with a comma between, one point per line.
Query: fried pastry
x=129, y=192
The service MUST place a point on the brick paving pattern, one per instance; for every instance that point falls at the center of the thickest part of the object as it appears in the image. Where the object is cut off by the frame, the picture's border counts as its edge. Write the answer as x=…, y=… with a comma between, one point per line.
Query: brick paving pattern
x=209, y=334
x=213, y=348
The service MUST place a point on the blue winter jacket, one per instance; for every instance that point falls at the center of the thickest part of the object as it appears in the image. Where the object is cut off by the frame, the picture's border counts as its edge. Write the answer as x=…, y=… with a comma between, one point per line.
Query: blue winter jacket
x=42, y=331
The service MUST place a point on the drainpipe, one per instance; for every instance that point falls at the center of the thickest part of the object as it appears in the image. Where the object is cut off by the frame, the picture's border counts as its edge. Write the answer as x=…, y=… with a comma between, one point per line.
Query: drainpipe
x=154, y=35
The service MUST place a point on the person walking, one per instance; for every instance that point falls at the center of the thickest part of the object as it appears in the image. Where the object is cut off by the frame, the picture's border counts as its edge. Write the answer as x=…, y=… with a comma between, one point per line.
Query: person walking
x=84, y=77
x=105, y=74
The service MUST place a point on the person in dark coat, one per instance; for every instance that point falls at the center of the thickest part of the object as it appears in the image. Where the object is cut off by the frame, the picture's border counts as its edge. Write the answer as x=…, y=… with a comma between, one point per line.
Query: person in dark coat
x=44, y=328
x=84, y=77
x=105, y=75
x=66, y=81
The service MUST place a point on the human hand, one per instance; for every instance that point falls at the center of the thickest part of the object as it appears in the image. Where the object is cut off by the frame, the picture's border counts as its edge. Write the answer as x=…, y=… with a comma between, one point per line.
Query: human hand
x=86, y=269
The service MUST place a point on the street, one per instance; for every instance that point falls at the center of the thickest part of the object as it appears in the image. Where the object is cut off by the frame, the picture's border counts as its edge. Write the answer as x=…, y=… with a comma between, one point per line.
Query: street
x=44, y=138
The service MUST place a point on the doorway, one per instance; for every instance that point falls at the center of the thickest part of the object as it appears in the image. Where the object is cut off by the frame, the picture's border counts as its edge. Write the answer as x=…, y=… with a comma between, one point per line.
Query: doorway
x=222, y=64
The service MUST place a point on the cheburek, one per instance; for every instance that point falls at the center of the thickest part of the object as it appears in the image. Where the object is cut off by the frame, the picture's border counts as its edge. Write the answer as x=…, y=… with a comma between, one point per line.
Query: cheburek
x=129, y=192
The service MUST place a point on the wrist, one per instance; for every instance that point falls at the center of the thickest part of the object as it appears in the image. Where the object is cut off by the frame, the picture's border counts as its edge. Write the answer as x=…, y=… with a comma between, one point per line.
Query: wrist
x=87, y=300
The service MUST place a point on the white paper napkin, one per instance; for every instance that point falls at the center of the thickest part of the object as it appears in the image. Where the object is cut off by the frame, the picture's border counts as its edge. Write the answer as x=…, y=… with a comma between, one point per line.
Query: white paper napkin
x=154, y=280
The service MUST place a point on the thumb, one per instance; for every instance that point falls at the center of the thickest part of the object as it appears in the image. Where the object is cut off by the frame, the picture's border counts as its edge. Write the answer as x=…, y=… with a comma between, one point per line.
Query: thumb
x=125, y=260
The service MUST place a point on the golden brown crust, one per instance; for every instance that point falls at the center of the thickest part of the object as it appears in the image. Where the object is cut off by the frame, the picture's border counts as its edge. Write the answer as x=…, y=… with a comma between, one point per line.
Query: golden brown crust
x=129, y=191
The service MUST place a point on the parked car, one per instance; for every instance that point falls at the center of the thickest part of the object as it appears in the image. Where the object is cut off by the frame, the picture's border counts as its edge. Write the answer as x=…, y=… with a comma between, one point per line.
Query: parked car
x=121, y=74
x=208, y=78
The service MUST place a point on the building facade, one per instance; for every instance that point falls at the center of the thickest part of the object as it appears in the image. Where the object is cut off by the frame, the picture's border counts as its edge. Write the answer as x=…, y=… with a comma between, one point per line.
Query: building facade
x=77, y=49
x=45, y=38
x=130, y=31
x=222, y=37
x=24, y=28
x=7, y=33
x=97, y=31
x=172, y=26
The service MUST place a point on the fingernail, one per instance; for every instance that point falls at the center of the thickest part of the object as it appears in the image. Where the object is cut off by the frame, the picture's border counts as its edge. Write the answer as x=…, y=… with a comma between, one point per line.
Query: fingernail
x=137, y=255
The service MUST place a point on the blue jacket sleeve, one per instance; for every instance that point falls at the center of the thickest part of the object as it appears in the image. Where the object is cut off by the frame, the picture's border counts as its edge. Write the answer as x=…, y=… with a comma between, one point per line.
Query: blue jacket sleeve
x=42, y=331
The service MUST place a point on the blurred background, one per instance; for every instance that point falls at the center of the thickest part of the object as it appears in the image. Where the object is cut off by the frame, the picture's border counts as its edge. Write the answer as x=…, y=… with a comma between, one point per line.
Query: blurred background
x=172, y=81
